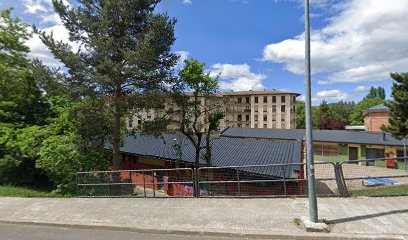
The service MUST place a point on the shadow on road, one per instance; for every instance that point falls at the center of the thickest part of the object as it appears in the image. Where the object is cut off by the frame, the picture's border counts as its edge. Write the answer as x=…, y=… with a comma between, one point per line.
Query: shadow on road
x=351, y=219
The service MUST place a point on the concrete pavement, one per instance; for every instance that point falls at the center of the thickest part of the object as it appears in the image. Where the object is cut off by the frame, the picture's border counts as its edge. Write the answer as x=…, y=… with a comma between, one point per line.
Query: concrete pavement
x=349, y=218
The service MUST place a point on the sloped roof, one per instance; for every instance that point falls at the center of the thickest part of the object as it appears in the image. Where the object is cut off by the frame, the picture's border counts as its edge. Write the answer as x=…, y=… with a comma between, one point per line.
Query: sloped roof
x=335, y=136
x=378, y=108
x=225, y=152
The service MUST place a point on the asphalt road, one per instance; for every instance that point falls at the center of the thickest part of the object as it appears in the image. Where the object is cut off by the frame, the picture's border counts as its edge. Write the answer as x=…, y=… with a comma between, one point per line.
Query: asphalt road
x=35, y=232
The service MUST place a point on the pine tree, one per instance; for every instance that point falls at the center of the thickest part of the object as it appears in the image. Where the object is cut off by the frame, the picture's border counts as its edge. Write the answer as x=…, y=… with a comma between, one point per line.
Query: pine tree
x=124, y=54
x=398, y=116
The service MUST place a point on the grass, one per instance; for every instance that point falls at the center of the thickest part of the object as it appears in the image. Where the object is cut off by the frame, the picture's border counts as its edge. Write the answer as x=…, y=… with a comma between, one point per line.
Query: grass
x=338, y=158
x=379, y=191
x=13, y=191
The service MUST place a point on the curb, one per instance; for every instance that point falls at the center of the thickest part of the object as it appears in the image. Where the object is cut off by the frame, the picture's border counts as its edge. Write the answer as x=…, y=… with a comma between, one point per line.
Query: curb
x=277, y=235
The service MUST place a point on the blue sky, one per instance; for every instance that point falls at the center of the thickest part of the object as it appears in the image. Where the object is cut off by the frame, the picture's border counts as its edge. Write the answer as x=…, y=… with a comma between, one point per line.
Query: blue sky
x=258, y=44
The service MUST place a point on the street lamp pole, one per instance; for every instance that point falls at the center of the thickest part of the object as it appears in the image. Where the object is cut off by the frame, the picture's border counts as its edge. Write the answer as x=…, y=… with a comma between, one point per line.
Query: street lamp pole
x=309, y=134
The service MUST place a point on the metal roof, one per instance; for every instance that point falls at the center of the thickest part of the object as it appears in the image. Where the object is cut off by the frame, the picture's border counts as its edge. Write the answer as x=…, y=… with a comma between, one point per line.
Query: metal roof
x=225, y=152
x=378, y=108
x=335, y=136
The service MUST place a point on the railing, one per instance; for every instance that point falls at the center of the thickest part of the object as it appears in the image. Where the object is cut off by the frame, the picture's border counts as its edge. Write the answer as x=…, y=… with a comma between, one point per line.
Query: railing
x=274, y=180
x=375, y=177
x=371, y=177
x=177, y=182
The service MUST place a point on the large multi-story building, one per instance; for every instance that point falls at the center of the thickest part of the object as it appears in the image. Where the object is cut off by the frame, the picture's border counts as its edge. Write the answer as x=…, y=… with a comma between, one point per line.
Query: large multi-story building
x=246, y=109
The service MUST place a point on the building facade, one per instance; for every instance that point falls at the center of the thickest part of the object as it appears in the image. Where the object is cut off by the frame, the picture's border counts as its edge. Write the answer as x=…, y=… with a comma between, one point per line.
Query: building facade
x=244, y=109
x=375, y=118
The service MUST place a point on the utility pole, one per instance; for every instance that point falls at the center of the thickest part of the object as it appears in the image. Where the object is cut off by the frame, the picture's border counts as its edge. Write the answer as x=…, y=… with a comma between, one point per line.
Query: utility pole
x=309, y=134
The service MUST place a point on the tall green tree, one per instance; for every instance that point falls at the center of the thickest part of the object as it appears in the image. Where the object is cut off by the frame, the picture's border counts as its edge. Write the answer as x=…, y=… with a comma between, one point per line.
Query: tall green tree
x=357, y=118
x=376, y=92
x=342, y=111
x=199, y=110
x=124, y=54
x=21, y=101
x=300, y=115
x=398, y=116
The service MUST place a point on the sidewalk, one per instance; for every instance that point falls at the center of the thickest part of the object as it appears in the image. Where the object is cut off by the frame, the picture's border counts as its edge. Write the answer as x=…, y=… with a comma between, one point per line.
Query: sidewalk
x=365, y=218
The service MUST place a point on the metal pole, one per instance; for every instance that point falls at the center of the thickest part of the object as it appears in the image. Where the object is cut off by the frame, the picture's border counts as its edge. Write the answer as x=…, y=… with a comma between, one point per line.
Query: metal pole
x=405, y=154
x=309, y=134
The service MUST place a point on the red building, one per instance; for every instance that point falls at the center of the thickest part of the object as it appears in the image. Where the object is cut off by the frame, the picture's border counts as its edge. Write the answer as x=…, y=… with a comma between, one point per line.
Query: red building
x=375, y=118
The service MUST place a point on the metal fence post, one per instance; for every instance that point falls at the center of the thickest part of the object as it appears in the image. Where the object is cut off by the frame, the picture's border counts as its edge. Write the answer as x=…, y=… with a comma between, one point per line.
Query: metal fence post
x=341, y=182
x=196, y=182
x=239, y=184
x=144, y=183
x=284, y=182
x=154, y=191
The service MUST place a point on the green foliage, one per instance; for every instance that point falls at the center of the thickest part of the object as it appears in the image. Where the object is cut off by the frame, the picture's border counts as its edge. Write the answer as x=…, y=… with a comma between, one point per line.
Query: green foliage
x=374, y=92
x=19, y=152
x=341, y=111
x=125, y=53
x=325, y=111
x=398, y=116
x=357, y=118
x=14, y=191
x=300, y=115
x=201, y=110
x=21, y=101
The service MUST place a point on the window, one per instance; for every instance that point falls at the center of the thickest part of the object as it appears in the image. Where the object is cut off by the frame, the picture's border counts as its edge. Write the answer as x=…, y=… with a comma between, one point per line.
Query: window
x=283, y=117
x=273, y=117
x=247, y=125
x=273, y=108
x=265, y=99
x=294, y=99
x=239, y=100
x=256, y=99
x=239, y=117
x=265, y=125
x=239, y=125
x=283, y=126
x=256, y=126
x=139, y=122
x=273, y=99
x=149, y=116
x=256, y=117
x=255, y=109
x=130, y=123
x=283, y=109
x=247, y=118
x=265, y=108
x=283, y=99
x=265, y=118
x=247, y=99
x=274, y=125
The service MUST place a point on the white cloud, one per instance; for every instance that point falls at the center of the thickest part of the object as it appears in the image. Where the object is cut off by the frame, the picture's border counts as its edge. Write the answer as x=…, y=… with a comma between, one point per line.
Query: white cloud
x=36, y=6
x=40, y=51
x=363, y=42
x=183, y=56
x=187, y=2
x=361, y=89
x=331, y=95
x=237, y=77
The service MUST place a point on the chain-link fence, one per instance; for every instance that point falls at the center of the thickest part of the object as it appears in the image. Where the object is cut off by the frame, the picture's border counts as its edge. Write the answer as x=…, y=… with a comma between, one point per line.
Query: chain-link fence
x=177, y=182
x=375, y=177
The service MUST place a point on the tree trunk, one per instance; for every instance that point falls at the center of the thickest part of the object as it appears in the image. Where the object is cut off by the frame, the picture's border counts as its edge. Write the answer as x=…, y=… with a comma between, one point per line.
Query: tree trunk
x=116, y=189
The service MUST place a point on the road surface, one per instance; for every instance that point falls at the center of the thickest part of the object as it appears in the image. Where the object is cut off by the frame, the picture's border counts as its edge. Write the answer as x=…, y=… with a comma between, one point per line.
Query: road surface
x=35, y=232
